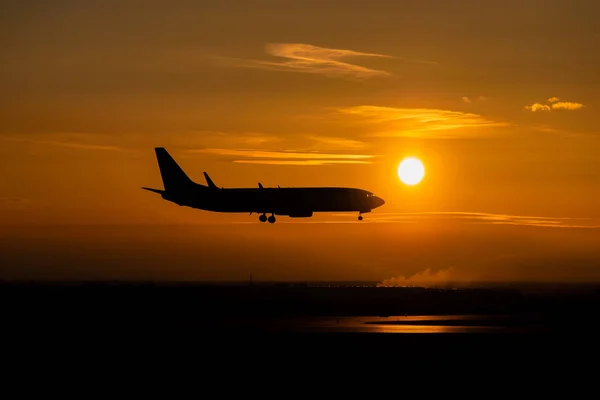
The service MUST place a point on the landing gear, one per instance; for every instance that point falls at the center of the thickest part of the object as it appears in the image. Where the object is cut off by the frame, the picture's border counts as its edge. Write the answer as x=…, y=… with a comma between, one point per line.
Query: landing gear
x=263, y=218
x=360, y=217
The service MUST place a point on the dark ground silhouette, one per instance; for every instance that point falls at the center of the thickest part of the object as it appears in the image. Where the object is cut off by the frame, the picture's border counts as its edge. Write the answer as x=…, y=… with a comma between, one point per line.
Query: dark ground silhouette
x=242, y=330
x=267, y=316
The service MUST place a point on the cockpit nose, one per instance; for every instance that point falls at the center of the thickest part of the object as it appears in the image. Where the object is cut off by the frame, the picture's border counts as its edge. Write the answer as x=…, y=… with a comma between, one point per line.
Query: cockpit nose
x=377, y=201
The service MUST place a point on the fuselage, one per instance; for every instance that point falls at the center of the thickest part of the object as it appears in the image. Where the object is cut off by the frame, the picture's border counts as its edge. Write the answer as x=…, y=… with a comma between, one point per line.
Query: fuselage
x=294, y=202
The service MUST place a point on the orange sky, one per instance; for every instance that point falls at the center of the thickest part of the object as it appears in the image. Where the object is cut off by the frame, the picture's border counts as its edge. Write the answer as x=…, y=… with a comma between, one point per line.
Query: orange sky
x=500, y=101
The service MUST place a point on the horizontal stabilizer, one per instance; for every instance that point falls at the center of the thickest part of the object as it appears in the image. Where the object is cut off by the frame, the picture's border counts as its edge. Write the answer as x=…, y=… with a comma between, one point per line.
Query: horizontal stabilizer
x=154, y=190
x=209, y=181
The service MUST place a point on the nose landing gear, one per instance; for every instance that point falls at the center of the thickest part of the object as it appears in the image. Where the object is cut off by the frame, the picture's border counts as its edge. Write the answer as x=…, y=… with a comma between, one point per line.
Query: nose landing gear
x=360, y=217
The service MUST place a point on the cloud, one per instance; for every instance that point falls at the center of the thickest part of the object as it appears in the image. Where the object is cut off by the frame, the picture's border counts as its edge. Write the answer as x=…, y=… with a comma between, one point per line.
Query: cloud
x=555, y=104
x=81, y=146
x=470, y=100
x=301, y=162
x=423, y=122
x=427, y=278
x=258, y=148
x=492, y=219
x=311, y=59
x=139, y=140
x=459, y=217
x=257, y=156
x=566, y=105
x=74, y=141
x=250, y=138
x=538, y=107
x=279, y=154
x=223, y=139
x=337, y=142
x=216, y=139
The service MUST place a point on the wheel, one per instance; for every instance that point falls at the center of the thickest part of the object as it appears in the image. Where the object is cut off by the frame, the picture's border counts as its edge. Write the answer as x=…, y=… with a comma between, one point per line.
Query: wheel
x=262, y=218
x=360, y=217
x=271, y=219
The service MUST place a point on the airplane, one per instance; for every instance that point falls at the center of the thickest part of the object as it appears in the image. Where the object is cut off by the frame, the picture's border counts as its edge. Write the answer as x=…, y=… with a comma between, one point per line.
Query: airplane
x=294, y=202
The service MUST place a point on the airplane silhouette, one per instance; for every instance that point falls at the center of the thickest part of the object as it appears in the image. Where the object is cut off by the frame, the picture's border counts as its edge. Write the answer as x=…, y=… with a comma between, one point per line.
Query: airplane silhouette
x=295, y=202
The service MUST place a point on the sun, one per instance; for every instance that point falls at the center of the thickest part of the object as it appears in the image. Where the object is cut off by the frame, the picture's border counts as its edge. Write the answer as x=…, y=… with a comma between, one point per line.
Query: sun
x=411, y=171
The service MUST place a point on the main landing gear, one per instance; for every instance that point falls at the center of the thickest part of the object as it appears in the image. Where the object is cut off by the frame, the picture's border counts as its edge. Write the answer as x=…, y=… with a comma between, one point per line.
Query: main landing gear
x=263, y=218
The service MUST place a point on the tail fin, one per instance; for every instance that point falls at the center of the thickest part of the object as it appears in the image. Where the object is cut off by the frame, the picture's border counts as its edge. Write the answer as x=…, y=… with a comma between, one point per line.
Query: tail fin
x=172, y=175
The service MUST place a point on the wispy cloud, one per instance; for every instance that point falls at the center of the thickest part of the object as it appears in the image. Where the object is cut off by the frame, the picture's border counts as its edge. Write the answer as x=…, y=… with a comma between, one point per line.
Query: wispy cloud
x=81, y=146
x=289, y=157
x=74, y=141
x=301, y=162
x=423, y=122
x=337, y=142
x=307, y=142
x=480, y=218
x=249, y=138
x=493, y=219
x=470, y=100
x=218, y=139
x=279, y=154
x=554, y=104
x=378, y=217
x=300, y=57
